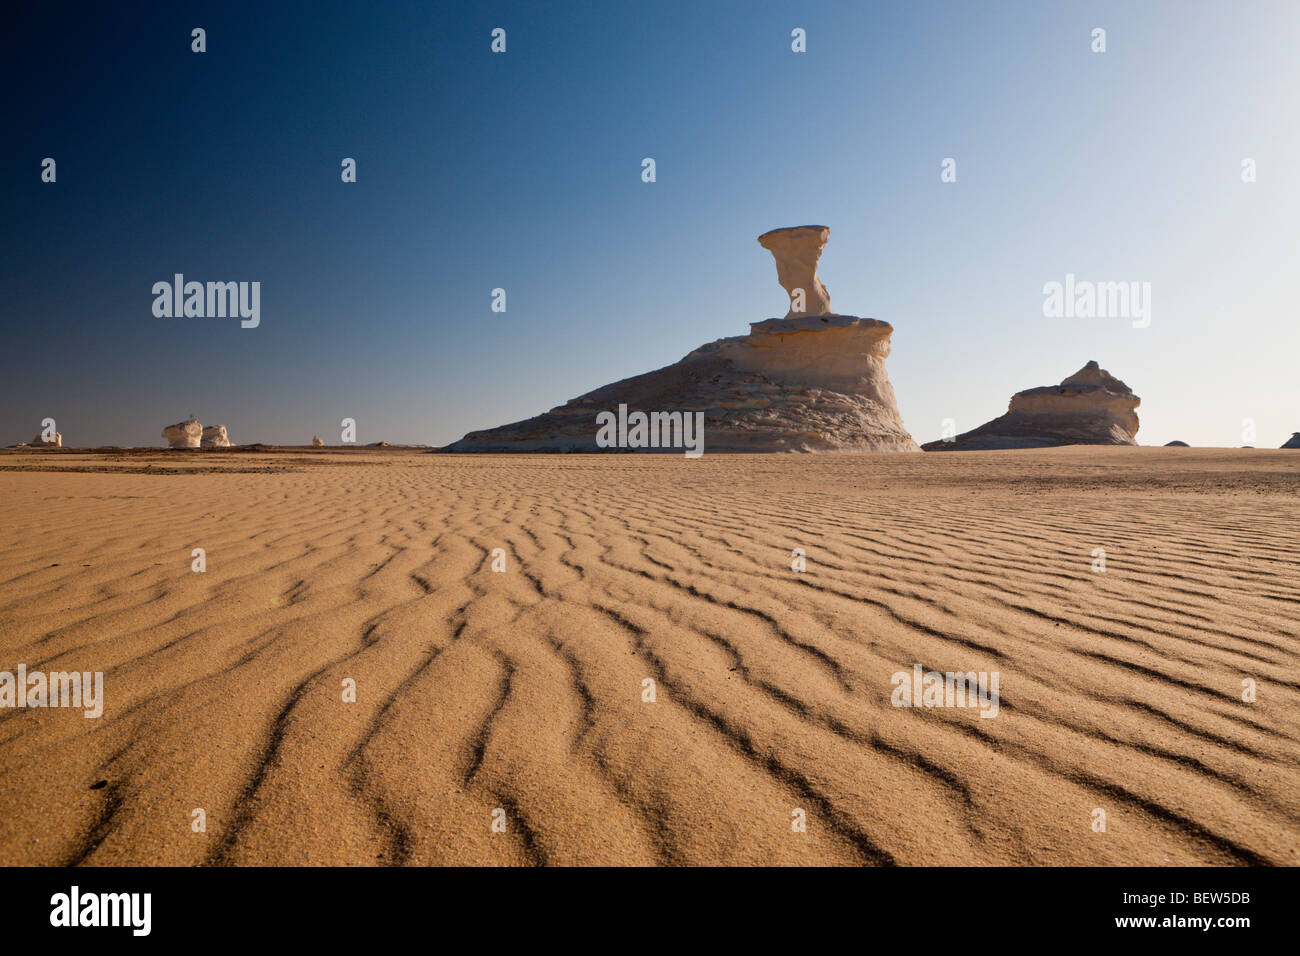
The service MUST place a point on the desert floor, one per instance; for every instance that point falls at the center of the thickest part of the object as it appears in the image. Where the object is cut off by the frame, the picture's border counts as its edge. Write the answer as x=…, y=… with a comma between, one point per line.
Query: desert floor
x=524, y=690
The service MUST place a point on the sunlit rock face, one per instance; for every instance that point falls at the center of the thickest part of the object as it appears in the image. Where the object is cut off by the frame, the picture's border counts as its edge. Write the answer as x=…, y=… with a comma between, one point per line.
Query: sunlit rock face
x=55, y=442
x=1091, y=407
x=214, y=436
x=186, y=434
x=812, y=381
x=839, y=352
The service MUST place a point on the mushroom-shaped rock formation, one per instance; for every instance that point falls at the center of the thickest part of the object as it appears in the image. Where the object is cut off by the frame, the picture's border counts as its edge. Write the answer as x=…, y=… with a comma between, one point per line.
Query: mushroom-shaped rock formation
x=796, y=250
x=214, y=436
x=186, y=434
x=1091, y=407
x=1293, y=441
x=316, y=442
x=812, y=381
x=56, y=442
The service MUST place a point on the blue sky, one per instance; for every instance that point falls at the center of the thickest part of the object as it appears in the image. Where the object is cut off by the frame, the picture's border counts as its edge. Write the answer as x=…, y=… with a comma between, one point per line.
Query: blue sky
x=523, y=171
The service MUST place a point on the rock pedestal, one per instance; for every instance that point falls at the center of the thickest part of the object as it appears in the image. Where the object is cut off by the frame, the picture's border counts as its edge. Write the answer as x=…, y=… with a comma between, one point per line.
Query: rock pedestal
x=812, y=381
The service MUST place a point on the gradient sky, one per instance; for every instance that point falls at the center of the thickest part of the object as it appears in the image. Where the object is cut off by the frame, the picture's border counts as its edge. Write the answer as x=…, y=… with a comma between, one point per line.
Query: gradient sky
x=523, y=171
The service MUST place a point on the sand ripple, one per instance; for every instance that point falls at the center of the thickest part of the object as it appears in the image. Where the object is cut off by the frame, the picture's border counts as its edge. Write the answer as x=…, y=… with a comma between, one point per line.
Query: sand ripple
x=522, y=690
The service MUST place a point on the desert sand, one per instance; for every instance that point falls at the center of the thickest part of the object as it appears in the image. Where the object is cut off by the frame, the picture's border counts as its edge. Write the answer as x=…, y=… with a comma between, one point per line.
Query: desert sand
x=522, y=690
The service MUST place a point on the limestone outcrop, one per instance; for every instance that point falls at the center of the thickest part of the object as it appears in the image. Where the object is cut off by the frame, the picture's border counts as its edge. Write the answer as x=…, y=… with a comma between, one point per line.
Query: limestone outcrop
x=796, y=250
x=186, y=434
x=214, y=436
x=316, y=442
x=1091, y=407
x=57, y=442
x=1293, y=441
x=812, y=381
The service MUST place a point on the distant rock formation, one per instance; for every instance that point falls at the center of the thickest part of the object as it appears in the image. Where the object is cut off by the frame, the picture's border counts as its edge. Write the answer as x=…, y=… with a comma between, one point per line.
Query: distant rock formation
x=39, y=442
x=1293, y=441
x=1177, y=444
x=1091, y=407
x=186, y=434
x=812, y=381
x=316, y=442
x=214, y=436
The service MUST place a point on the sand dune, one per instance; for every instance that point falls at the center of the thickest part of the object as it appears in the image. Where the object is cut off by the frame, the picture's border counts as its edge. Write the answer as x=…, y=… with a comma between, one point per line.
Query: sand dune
x=522, y=690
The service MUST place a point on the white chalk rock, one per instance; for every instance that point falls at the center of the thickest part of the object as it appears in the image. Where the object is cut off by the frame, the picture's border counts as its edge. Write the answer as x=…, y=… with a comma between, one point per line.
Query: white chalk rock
x=316, y=442
x=1091, y=407
x=187, y=434
x=214, y=436
x=39, y=442
x=812, y=381
x=796, y=250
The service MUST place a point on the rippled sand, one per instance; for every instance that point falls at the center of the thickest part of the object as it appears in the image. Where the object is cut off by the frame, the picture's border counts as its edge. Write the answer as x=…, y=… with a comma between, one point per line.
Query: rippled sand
x=523, y=690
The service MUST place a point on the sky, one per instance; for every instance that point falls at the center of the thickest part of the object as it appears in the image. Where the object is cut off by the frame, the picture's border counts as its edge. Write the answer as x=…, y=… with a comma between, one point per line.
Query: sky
x=522, y=171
